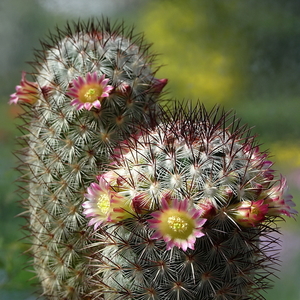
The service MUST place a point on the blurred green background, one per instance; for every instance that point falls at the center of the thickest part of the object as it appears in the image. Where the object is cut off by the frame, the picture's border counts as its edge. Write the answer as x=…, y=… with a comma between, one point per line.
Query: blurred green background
x=244, y=55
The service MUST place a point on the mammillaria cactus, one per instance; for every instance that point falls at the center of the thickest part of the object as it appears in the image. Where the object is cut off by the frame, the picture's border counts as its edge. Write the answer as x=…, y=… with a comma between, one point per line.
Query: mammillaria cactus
x=127, y=201
x=91, y=84
x=187, y=210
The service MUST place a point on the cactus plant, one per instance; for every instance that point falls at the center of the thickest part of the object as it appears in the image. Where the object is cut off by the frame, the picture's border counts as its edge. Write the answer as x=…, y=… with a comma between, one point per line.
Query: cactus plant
x=188, y=209
x=127, y=201
x=91, y=83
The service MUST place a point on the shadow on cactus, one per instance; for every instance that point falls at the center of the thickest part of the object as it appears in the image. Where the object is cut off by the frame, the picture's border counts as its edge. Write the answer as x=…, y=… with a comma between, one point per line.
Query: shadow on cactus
x=91, y=83
x=188, y=209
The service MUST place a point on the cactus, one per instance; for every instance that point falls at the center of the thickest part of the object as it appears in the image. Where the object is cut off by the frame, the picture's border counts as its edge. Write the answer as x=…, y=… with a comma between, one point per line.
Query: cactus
x=91, y=84
x=187, y=209
x=127, y=201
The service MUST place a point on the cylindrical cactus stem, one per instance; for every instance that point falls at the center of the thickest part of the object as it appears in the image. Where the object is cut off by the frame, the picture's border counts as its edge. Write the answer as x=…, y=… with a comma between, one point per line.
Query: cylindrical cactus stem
x=92, y=83
x=187, y=211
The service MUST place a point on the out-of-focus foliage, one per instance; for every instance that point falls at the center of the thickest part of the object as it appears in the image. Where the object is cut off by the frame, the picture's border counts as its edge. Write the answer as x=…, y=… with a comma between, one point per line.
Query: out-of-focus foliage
x=200, y=60
x=223, y=50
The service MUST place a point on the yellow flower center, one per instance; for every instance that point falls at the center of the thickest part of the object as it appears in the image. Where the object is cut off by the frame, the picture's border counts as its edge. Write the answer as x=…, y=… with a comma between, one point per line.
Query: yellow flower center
x=90, y=92
x=176, y=224
x=103, y=204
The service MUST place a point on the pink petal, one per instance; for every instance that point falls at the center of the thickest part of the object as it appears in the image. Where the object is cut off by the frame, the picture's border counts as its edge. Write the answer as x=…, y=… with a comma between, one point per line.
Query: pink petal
x=72, y=94
x=102, y=78
x=87, y=105
x=152, y=222
x=97, y=225
x=81, y=81
x=13, y=99
x=95, y=186
x=97, y=104
x=156, y=235
x=89, y=212
x=94, y=76
x=92, y=221
x=198, y=234
x=156, y=216
x=201, y=222
x=105, y=95
x=86, y=204
x=183, y=245
x=183, y=205
x=104, y=82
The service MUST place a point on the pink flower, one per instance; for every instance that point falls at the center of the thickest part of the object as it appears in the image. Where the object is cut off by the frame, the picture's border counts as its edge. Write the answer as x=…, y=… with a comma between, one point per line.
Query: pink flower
x=279, y=201
x=89, y=91
x=208, y=209
x=27, y=92
x=141, y=203
x=177, y=224
x=105, y=205
x=159, y=84
x=249, y=213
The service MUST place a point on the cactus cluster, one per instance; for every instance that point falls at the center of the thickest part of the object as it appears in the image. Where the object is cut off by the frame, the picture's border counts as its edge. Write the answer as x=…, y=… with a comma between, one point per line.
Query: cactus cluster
x=129, y=200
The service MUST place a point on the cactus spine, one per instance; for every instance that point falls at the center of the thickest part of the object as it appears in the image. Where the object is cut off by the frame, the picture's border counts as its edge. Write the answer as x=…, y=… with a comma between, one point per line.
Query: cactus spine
x=126, y=201
x=200, y=203
x=91, y=83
